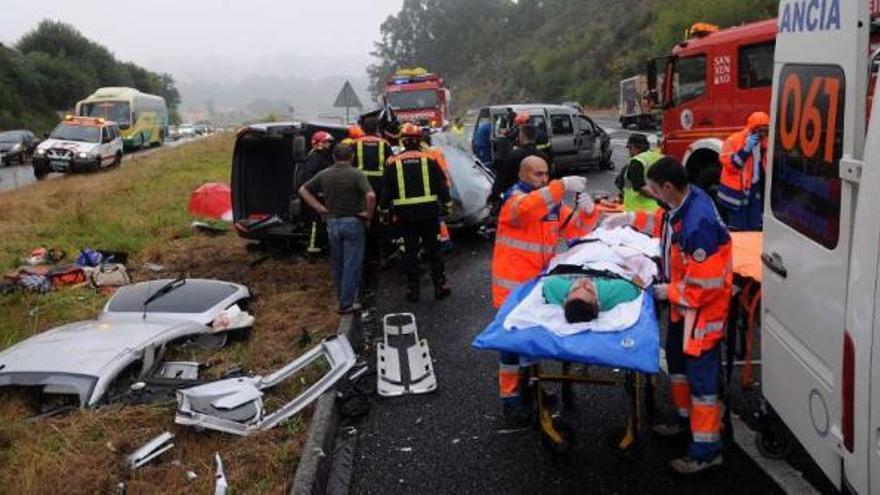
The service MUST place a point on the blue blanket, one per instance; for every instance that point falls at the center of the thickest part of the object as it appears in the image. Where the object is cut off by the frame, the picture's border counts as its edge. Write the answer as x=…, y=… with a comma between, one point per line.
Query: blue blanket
x=636, y=348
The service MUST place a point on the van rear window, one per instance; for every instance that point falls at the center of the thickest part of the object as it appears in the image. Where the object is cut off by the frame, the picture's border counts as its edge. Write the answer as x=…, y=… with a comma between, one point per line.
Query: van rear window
x=806, y=158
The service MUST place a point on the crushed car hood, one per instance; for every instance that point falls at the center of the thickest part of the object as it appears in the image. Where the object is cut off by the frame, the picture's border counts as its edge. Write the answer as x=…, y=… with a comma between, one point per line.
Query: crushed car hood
x=86, y=357
x=88, y=347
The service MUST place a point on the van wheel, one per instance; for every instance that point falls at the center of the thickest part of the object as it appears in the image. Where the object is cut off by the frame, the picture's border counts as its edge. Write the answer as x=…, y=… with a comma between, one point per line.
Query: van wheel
x=40, y=174
x=117, y=159
x=773, y=443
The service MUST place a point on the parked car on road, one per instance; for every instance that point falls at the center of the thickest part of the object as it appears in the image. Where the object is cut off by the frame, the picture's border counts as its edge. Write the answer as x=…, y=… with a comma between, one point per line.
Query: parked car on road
x=576, y=142
x=186, y=131
x=17, y=146
x=79, y=144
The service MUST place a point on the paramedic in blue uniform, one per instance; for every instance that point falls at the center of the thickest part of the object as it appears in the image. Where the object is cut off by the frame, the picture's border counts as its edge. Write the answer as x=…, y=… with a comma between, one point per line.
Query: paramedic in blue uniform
x=697, y=280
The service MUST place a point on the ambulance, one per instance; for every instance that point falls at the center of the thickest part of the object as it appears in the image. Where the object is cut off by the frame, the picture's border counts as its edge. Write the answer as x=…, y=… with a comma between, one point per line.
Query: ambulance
x=821, y=252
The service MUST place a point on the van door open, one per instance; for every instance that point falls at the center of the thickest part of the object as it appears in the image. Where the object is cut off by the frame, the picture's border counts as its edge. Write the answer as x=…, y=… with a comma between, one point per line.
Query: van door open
x=808, y=226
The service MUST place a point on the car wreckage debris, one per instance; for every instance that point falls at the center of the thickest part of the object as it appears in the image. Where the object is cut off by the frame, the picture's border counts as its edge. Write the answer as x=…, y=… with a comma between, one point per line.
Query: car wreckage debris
x=126, y=340
x=400, y=328
x=235, y=405
x=151, y=450
x=221, y=485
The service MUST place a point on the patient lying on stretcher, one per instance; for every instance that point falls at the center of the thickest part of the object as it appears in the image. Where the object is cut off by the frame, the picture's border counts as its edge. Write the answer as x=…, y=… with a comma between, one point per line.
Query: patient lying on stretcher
x=583, y=297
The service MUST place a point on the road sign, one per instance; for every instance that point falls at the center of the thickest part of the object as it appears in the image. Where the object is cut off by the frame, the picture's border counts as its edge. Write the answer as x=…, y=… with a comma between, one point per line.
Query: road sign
x=347, y=97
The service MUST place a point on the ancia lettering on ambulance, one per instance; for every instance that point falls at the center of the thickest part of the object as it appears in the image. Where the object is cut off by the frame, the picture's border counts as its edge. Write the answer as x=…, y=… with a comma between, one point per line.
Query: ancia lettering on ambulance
x=807, y=16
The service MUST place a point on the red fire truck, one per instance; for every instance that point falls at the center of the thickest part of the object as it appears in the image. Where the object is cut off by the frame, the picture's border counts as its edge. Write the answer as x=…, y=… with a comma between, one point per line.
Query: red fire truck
x=711, y=83
x=419, y=96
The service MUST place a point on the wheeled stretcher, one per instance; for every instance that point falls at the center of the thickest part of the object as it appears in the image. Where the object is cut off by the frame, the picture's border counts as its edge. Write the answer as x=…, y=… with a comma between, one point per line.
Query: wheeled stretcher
x=621, y=348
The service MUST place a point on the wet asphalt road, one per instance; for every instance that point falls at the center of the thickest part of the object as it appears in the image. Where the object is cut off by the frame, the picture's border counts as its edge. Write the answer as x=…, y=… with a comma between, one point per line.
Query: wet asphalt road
x=15, y=176
x=455, y=441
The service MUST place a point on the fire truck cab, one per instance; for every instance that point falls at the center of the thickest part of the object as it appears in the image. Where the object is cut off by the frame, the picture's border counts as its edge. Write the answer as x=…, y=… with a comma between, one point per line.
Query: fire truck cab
x=419, y=97
x=711, y=83
x=821, y=283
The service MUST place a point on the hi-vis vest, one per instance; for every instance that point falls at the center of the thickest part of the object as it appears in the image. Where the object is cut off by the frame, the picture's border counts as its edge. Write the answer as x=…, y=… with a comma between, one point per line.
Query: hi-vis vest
x=364, y=148
x=530, y=226
x=632, y=199
x=412, y=195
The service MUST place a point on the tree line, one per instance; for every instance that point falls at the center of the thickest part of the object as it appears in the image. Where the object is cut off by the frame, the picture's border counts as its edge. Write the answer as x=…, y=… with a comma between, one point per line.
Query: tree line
x=53, y=66
x=494, y=51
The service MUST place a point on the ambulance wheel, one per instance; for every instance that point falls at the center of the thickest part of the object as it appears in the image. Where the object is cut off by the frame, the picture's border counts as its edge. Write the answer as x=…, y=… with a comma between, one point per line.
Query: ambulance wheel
x=567, y=442
x=773, y=443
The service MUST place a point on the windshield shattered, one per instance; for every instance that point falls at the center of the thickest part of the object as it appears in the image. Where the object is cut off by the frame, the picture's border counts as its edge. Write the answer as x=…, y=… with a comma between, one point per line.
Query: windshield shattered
x=117, y=111
x=69, y=132
x=413, y=99
x=10, y=137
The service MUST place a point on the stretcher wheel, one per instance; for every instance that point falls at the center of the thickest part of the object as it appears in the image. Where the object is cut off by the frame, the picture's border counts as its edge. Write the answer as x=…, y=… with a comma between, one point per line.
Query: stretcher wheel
x=623, y=443
x=773, y=443
x=565, y=443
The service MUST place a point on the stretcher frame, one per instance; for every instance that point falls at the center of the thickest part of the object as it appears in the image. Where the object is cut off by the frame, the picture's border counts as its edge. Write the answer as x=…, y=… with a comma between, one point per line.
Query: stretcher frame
x=559, y=438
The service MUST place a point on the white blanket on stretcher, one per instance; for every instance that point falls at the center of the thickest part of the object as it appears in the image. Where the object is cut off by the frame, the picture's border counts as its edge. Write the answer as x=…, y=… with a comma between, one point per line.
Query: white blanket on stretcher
x=622, y=251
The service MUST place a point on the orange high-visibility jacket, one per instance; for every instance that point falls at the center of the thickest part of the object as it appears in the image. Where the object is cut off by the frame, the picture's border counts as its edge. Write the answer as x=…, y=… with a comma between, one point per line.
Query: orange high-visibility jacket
x=529, y=234
x=440, y=158
x=738, y=167
x=697, y=264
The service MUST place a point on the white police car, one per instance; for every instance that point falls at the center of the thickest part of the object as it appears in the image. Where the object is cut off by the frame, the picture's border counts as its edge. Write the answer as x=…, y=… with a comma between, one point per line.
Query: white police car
x=79, y=144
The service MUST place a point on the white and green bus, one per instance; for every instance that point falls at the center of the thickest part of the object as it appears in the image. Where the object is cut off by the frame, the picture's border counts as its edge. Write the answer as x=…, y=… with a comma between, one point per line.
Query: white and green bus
x=142, y=118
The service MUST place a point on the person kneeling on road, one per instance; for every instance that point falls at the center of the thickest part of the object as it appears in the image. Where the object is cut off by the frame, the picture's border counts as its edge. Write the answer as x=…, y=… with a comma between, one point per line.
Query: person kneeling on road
x=533, y=225
x=698, y=278
x=348, y=210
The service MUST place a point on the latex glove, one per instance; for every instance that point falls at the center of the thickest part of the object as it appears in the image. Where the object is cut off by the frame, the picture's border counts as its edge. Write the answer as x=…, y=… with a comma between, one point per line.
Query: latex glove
x=585, y=203
x=574, y=183
x=615, y=220
x=753, y=140
x=661, y=292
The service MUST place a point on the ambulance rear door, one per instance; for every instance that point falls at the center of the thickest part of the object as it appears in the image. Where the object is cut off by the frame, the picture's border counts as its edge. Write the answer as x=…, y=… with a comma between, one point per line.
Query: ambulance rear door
x=818, y=90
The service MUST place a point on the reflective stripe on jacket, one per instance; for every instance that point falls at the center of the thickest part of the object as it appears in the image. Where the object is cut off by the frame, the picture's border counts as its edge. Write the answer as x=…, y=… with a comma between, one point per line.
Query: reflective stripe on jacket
x=698, y=261
x=529, y=234
x=415, y=184
x=736, y=172
x=633, y=200
x=370, y=155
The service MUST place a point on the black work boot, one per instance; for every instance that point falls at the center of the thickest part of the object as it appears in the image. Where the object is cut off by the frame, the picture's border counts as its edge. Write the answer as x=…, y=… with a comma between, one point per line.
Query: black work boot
x=412, y=293
x=441, y=291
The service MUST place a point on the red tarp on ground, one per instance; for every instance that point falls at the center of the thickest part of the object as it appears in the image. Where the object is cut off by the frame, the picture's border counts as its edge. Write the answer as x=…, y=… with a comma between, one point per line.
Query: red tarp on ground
x=211, y=200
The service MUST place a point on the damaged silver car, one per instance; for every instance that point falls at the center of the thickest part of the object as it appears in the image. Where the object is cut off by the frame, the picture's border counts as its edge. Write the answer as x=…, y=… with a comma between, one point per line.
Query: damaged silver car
x=84, y=362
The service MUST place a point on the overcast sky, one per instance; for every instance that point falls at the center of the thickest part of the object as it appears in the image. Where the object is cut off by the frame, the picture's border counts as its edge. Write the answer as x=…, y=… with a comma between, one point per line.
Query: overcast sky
x=219, y=39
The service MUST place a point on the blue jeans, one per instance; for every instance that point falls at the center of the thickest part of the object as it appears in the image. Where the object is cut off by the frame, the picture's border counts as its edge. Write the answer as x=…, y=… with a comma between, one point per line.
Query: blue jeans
x=346, y=238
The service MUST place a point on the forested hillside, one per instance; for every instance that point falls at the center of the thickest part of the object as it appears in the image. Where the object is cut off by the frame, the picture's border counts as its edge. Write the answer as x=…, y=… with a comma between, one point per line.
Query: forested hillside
x=52, y=67
x=492, y=51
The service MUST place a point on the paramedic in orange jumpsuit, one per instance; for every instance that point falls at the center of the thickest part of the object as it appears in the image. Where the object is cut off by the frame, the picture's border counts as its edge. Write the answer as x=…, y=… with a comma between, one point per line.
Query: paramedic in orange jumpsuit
x=530, y=231
x=697, y=280
x=743, y=165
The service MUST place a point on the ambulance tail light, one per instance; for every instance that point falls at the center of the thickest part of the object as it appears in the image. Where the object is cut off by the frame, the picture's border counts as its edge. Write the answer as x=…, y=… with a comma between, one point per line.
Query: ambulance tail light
x=848, y=388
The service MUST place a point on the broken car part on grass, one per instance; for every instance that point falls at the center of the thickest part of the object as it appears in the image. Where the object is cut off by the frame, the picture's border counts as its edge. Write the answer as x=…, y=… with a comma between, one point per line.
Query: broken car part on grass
x=127, y=341
x=151, y=450
x=236, y=405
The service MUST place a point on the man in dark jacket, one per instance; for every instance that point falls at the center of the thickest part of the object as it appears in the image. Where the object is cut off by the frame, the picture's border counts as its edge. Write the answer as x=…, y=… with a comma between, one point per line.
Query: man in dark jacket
x=320, y=157
x=508, y=174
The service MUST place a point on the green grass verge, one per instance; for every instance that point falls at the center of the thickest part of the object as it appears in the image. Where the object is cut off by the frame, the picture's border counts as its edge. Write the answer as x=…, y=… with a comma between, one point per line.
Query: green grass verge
x=141, y=204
